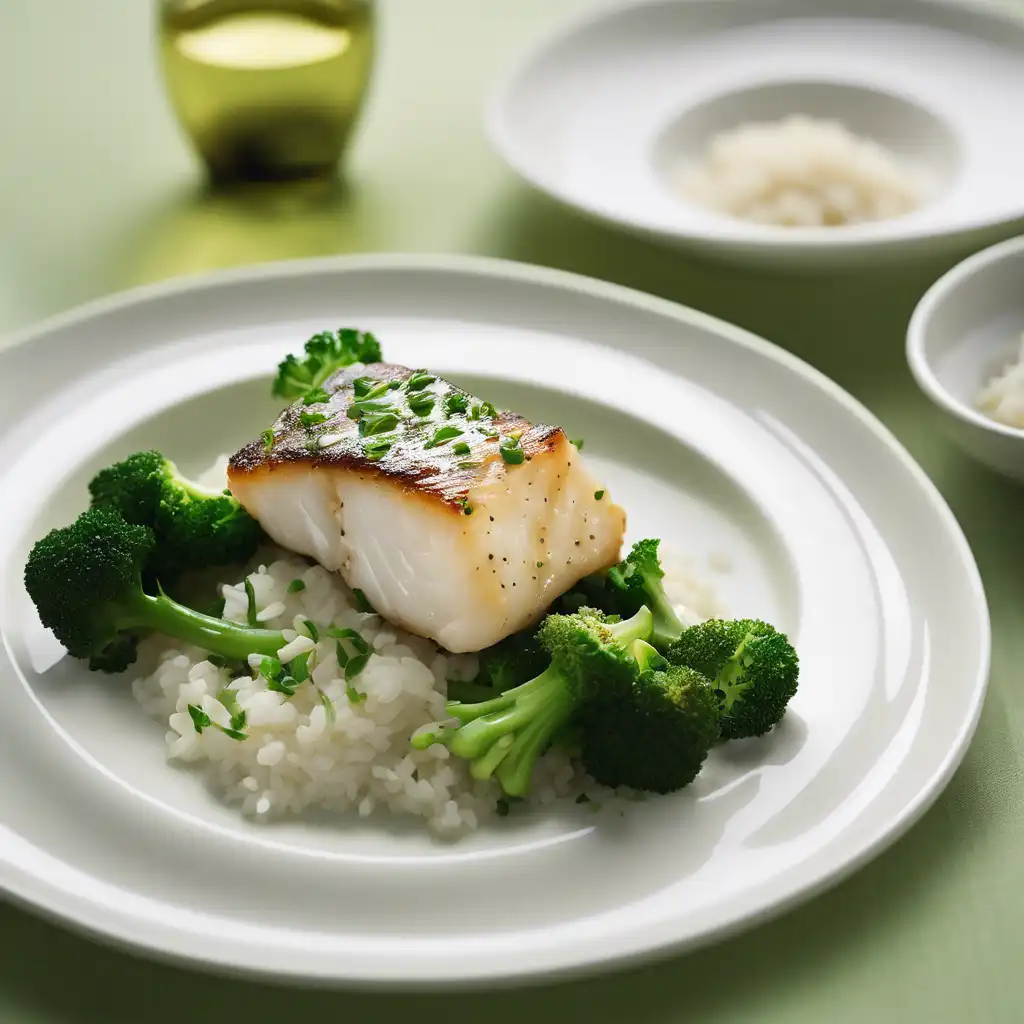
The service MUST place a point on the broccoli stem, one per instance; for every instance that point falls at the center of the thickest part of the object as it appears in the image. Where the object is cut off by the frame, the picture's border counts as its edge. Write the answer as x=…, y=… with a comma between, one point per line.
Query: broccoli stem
x=667, y=625
x=516, y=767
x=218, y=636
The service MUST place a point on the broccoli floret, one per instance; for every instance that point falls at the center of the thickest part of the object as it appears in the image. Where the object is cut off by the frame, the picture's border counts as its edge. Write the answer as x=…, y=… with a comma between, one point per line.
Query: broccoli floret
x=753, y=669
x=634, y=582
x=85, y=581
x=326, y=353
x=656, y=735
x=504, y=736
x=516, y=659
x=194, y=526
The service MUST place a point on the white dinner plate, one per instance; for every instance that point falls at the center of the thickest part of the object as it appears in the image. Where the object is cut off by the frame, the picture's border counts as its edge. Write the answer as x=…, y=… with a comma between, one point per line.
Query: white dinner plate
x=711, y=438
x=603, y=115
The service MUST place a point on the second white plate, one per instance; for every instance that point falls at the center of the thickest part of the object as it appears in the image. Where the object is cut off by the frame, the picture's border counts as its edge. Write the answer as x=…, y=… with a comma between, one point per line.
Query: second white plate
x=709, y=437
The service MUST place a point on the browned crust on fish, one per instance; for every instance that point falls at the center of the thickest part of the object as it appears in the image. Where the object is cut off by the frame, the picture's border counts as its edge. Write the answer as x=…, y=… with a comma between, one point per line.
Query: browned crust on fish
x=437, y=473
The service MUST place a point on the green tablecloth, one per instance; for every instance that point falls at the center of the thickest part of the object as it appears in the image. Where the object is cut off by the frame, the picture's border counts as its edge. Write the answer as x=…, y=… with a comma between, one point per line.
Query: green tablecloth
x=98, y=193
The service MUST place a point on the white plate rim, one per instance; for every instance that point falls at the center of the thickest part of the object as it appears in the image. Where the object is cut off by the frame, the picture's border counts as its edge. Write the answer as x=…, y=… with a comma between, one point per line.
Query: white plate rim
x=28, y=890
x=767, y=240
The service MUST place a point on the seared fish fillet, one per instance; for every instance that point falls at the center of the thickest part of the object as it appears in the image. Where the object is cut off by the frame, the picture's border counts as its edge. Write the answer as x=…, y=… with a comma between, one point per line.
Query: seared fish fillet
x=459, y=523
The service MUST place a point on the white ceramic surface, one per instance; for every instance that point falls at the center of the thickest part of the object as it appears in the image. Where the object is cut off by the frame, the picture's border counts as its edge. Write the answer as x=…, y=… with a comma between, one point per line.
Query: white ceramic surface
x=602, y=115
x=708, y=436
x=964, y=331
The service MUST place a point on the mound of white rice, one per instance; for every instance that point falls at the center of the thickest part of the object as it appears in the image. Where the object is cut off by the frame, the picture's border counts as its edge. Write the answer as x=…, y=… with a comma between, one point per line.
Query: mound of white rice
x=341, y=744
x=1003, y=397
x=802, y=172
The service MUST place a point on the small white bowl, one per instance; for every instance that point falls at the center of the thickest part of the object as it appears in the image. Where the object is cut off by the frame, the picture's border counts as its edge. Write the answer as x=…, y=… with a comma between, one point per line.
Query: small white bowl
x=964, y=331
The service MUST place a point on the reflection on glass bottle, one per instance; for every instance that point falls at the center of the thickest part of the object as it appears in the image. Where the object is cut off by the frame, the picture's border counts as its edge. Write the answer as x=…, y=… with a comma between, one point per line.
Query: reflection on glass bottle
x=267, y=89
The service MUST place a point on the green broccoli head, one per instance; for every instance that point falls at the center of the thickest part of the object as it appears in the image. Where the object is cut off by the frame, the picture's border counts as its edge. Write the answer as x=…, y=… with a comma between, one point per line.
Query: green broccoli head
x=637, y=581
x=514, y=660
x=81, y=575
x=754, y=670
x=194, y=527
x=325, y=354
x=657, y=735
x=505, y=735
x=86, y=583
x=131, y=487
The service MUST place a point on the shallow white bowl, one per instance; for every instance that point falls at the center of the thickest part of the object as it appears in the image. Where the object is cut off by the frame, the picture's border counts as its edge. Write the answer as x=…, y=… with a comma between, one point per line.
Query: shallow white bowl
x=602, y=116
x=963, y=332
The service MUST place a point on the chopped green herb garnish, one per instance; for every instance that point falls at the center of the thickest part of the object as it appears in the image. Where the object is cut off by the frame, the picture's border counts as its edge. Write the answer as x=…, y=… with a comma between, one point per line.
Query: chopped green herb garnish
x=250, y=596
x=357, y=410
x=578, y=443
x=328, y=706
x=296, y=585
x=286, y=685
x=441, y=435
x=376, y=450
x=267, y=437
x=455, y=402
x=381, y=389
x=486, y=409
x=378, y=423
x=314, y=633
x=271, y=668
x=299, y=667
x=362, y=386
x=461, y=448
x=311, y=419
x=467, y=509
x=511, y=451
x=487, y=432
x=316, y=396
x=354, y=696
x=200, y=719
x=421, y=403
x=583, y=799
x=362, y=603
x=598, y=495
x=540, y=565
x=470, y=465
x=356, y=665
x=419, y=380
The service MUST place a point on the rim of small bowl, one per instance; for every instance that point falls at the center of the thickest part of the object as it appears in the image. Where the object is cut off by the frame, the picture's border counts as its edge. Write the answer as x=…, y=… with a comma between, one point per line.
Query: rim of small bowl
x=925, y=313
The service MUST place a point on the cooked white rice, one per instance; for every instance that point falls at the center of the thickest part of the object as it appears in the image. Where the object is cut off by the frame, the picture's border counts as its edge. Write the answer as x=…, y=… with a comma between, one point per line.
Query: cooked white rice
x=357, y=757
x=802, y=172
x=1003, y=397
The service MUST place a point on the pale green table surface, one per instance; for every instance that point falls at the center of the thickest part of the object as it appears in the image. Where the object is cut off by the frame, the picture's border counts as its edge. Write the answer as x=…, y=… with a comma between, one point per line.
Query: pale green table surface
x=98, y=193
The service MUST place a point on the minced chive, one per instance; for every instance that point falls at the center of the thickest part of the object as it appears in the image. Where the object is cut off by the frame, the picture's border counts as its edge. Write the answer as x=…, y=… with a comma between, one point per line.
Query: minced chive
x=540, y=565
x=511, y=451
x=486, y=409
x=362, y=603
x=357, y=410
x=461, y=448
x=299, y=667
x=378, y=390
x=354, y=696
x=356, y=665
x=271, y=668
x=441, y=435
x=419, y=380
x=598, y=495
x=455, y=402
x=470, y=465
x=376, y=450
x=250, y=596
x=200, y=719
x=487, y=432
x=311, y=419
x=328, y=706
x=377, y=424
x=421, y=403
x=267, y=437
x=314, y=633
x=296, y=585
x=316, y=397
x=286, y=685
x=578, y=443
